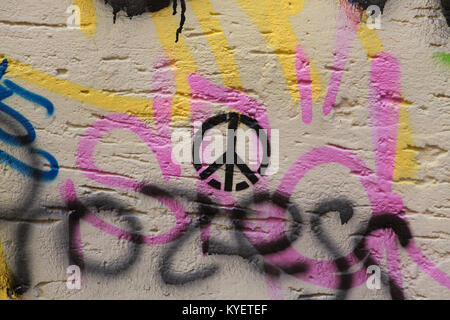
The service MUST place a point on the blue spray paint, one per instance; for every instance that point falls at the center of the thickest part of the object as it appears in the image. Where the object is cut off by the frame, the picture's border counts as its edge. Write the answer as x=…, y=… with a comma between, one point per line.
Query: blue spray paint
x=30, y=96
x=7, y=90
x=28, y=171
x=17, y=140
x=3, y=67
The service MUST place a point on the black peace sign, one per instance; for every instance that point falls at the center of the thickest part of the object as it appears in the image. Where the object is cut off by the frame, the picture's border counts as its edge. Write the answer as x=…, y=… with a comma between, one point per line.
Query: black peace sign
x=230, y=158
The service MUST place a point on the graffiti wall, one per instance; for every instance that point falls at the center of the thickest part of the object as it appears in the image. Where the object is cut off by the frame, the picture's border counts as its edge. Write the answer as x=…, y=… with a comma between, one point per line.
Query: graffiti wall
x=209, y=149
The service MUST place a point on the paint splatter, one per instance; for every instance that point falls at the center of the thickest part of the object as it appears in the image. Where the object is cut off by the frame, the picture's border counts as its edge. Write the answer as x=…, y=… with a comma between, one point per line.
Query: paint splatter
x=138, y=7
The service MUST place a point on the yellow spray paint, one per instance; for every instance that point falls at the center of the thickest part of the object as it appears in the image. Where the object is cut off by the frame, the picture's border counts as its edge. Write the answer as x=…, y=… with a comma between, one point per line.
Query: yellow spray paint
x=272, y=19
x=112, y=102
x=217, y=41
x=278, y=33
x=88, y=16
x=270, y=16
x=369, y=40
x=179, y=54
x=406, y=164
x=5, y=279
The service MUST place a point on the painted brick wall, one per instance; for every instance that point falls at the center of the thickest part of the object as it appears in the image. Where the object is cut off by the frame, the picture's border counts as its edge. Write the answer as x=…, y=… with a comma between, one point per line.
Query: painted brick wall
x=351, y=104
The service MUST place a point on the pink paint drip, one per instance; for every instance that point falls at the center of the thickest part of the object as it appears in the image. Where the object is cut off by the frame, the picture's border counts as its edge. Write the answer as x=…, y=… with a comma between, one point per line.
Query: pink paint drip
x=69, y=196
x=344, y=38
x=385, y=98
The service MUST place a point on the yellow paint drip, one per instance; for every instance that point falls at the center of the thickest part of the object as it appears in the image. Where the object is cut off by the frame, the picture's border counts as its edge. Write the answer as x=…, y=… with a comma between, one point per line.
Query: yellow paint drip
x=406, y=164
x=369, y=40
x=272, y=19
x=88, y=16
x=218, y=43
x=179, y=54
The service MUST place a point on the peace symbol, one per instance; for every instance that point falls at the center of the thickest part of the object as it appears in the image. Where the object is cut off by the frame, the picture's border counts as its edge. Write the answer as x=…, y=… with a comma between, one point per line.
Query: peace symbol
x=230, y=158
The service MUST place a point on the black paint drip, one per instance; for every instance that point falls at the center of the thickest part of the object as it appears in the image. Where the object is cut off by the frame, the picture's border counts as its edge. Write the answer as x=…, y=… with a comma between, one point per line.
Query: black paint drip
x=137, y=7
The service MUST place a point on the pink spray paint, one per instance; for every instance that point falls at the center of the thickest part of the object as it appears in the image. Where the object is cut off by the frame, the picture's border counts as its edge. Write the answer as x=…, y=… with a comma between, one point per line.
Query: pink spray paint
x=344, y=39
x=384, y=99
x=161, y=146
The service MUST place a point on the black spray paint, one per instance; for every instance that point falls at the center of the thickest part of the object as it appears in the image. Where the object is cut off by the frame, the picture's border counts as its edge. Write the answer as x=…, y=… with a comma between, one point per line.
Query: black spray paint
x=446, y=10
x=138, y=7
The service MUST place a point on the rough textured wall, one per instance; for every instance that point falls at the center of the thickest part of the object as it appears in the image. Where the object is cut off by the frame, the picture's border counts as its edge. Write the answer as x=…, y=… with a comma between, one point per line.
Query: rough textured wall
x=353, y=117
